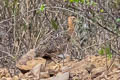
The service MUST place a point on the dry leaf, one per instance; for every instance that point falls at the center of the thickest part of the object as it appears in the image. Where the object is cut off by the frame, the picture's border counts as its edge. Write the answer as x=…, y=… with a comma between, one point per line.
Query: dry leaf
x=97, y=72
x=90, y=67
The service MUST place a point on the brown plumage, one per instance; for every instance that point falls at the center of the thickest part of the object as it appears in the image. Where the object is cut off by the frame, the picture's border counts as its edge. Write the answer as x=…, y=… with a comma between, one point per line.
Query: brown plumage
x=71, y=24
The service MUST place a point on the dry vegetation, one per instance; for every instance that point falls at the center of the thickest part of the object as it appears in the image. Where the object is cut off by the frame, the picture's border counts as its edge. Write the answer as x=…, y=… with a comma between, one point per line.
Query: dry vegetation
x=74, y=29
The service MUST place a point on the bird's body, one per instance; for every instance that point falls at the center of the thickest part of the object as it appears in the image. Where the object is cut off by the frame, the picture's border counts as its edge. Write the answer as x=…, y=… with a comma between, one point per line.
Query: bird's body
x=71, y=24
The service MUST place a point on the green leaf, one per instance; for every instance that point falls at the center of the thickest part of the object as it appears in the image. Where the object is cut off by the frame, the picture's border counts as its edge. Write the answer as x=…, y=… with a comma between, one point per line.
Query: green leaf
x=109, y=56
x=74, y=1
x=82, y=1
x=14, y=5
x=77, y=1
x=38, y=11
x=118, y=20
x=101, y=10
x=108, y=52
x=93, y=3
x=101, y=51
x=65, y=0
x=71, y=1
x=42, y=7
x=6, y=3
x=54, y=24
x=24, y=27
x=87, y=2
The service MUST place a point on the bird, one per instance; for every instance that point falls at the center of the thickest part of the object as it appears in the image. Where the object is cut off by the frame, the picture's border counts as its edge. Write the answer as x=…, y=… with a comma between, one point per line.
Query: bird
x=57, y=46
x=71, y=26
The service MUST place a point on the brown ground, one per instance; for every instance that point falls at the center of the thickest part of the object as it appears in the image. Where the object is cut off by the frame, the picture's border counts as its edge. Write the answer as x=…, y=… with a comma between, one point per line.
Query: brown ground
x=90, y=68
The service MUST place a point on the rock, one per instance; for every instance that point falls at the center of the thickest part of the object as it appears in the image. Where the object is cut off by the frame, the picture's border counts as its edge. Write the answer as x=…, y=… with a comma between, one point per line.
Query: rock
x=30, y=64
x=4, y=72
x=28, y=56
x=15, y=78
x=6, y=78
x=37, y=71
x=61, y=76
x=65, y=69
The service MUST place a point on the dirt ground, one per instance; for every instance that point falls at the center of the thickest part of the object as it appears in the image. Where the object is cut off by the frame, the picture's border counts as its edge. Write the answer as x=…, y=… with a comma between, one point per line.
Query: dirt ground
x=38, y=68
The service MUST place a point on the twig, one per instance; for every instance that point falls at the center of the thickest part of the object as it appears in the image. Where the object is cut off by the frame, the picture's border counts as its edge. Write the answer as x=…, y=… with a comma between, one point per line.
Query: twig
x=7, y=53
x=98, y=44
